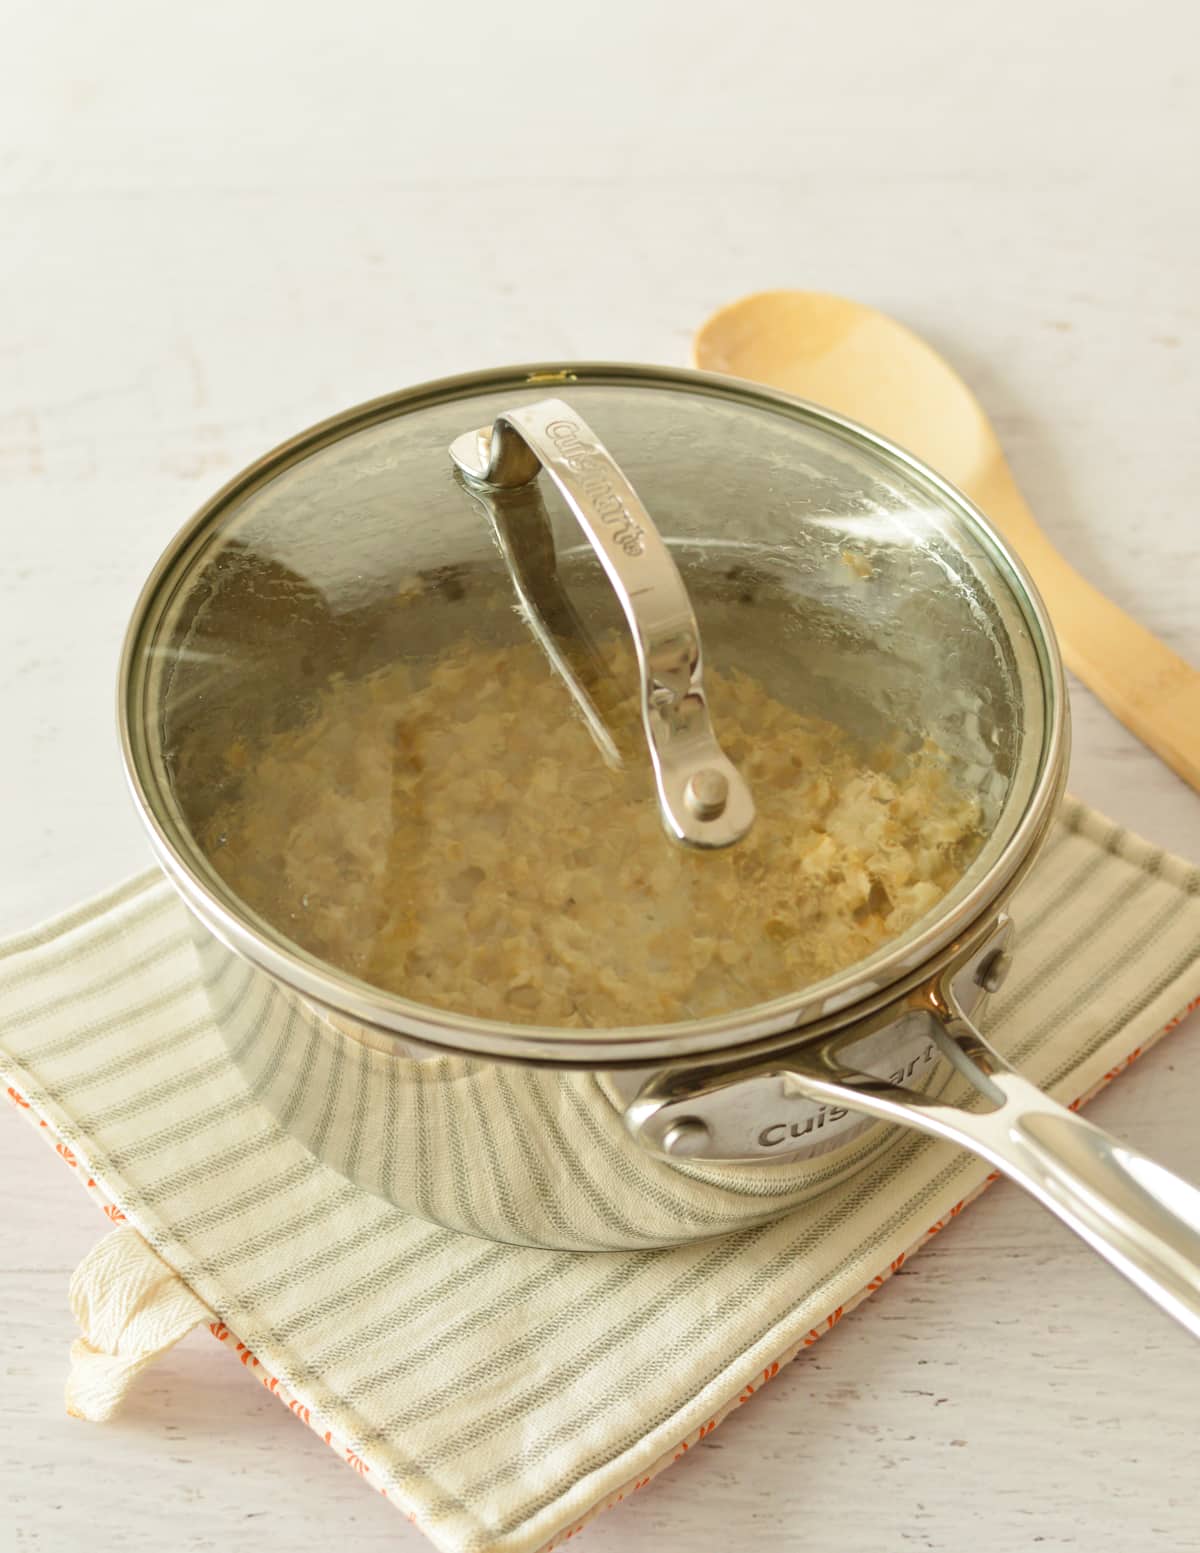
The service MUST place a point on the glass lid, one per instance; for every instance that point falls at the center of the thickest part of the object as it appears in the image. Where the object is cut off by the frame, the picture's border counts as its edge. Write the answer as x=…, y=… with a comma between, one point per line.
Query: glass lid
x=419, y=715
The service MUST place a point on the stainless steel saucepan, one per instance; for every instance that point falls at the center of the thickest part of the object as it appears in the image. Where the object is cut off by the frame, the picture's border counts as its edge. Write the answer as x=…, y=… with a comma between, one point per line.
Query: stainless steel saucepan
x=527, y=915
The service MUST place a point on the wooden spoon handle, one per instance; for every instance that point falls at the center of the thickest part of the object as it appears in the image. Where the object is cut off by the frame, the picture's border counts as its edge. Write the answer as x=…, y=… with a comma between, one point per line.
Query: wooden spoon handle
x=1151, y=689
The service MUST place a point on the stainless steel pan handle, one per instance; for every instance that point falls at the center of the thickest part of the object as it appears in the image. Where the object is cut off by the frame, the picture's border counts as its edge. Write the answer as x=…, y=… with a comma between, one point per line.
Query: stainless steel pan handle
x=703, y=798
x=1141, y=1218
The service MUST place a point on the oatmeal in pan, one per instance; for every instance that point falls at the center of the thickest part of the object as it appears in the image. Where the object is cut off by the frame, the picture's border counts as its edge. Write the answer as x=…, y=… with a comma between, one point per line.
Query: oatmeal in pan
x=456, y=838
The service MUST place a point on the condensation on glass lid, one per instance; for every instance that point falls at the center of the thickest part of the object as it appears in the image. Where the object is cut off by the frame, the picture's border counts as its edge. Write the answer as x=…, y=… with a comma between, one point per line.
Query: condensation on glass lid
x=455, y=838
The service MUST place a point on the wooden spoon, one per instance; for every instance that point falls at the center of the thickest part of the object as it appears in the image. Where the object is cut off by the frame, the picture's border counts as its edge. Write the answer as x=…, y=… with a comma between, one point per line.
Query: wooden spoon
x=865, y=365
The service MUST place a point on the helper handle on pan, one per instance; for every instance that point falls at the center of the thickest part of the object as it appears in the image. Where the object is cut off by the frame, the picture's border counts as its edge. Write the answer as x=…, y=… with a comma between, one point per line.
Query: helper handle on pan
x=1141, y=1218
x=703, y=799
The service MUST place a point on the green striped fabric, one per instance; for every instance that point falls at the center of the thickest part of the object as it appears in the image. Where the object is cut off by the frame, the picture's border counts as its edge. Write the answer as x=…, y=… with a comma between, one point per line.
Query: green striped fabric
x=501, y=1394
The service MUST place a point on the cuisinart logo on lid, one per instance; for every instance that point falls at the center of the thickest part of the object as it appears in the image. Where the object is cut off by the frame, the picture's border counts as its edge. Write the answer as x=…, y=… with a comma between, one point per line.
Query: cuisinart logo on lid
x=594, y=472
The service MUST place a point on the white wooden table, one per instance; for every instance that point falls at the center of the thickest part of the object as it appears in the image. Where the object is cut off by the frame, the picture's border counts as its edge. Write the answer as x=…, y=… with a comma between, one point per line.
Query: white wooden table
x=220, y=223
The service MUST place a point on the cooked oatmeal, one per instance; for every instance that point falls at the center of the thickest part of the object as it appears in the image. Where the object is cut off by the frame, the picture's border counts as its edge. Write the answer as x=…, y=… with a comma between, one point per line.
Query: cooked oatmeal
x=456, y=838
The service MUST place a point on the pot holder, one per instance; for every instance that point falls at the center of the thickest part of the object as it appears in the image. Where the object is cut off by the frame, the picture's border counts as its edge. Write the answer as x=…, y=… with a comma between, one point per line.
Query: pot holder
x=499, y=1395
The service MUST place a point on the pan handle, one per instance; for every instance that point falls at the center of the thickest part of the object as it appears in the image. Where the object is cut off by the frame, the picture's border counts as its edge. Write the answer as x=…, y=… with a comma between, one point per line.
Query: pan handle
x=1141, y=1218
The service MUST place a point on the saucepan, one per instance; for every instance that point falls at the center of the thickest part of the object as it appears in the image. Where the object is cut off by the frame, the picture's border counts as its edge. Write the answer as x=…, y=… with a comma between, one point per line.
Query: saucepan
x=597, y=849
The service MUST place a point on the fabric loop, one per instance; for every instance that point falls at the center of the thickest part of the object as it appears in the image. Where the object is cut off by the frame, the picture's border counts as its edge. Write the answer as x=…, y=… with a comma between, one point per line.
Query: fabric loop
x=130, y=1307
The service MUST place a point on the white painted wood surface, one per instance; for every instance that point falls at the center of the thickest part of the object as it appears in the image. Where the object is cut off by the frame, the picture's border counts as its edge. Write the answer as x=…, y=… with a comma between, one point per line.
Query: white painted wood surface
x=220, y=223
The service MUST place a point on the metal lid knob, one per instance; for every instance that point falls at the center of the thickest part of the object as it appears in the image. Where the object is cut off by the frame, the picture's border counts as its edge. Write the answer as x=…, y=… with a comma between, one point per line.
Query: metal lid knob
x=702, y=796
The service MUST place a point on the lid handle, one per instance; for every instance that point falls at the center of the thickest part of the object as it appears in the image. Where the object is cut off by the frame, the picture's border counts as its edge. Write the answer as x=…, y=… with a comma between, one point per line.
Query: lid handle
x=703, y=799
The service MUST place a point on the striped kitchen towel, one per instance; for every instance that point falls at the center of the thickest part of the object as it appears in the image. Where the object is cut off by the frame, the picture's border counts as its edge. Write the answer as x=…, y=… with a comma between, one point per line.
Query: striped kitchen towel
x=501, y=1395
